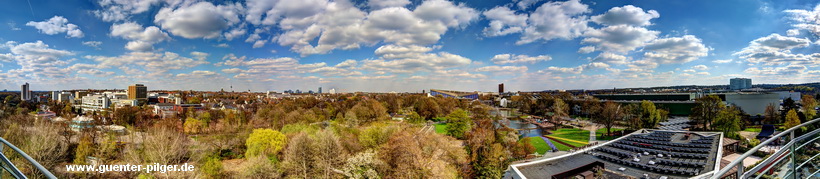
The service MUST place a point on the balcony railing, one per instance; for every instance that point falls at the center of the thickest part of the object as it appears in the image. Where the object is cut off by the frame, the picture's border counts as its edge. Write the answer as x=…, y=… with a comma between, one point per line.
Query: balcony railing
x=798, y=158
x=7, y=167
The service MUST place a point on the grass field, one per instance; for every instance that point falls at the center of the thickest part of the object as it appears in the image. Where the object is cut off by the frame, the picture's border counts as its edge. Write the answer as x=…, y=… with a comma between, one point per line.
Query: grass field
x=441, y=128
x=752, y=129
x=599, y=134
x=572, y=136
x=540, y=146
x=561, y=147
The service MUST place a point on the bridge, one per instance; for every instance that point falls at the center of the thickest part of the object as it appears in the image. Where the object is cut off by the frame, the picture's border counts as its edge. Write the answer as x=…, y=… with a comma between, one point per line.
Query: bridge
x=798, y=158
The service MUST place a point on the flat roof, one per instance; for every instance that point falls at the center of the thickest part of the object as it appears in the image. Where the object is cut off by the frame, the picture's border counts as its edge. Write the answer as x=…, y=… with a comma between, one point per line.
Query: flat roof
x=708, y=156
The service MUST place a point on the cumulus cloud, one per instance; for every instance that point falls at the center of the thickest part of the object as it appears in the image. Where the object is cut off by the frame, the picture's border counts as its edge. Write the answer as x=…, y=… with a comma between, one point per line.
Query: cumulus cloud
x=556, y=20
x=782, y=71
x=142, y=39
x=378, y=4
x=37, y=60
x=92, y=43
x=56, y=25
x=808, y=20
x=502, y=69
x=318, y=26
x=775, y=49
x=120, y=10
x=504, y=21
x=199, y=20
x=619, y=38
x=510, y=58
x=700, y=67
x=525, y=4
x=675, y=50
x=626, y=15
x=610, y=58
x=575, y=70
x=157, y=63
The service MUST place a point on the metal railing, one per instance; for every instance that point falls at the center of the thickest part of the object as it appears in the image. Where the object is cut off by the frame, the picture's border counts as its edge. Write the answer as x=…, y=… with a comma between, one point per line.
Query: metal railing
x=789, y=161
x=6, y=165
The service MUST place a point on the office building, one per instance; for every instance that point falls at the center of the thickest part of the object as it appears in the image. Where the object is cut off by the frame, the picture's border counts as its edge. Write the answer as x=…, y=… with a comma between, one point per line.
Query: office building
x=320, y=90
x=25, y=92
x=500, y=88
x=137, y=91
x=64, y=96
x=740, y=83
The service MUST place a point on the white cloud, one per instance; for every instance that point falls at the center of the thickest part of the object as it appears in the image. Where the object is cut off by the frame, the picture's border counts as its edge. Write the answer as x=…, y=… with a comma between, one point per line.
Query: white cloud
x=778, y=71
x=120, y=10
x=700, y=67
x=675, y=50
x=563, y=20
x=142, y=39
x=723, y=61
x=92, y=43
x=626, y=15
x=525, y=4
x=503, y=69
x=37, y=60
x=619, y=38
x=806, y=20
x=575, y=70
x=199, y=20
x=776, y=50
x=56, y=25
x=378, y=4
x=610, y=58
x=510, y=58
x=586, y=49
x=412, y=62
x=157, y=63
x=504, y=21
x=793, y=32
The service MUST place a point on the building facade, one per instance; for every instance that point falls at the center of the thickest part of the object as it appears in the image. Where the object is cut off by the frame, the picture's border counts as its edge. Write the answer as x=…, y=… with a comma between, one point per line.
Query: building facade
x=137, y=91
x=25, y=92
x=740, y=83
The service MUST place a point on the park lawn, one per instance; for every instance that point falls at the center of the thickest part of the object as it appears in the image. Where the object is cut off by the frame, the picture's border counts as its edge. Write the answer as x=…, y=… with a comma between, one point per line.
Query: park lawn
x=572, y=134
x=752, y=129
x=599, y=134
x=540, y=145
x=561, y=147
x=441, y=128
x=577, y=137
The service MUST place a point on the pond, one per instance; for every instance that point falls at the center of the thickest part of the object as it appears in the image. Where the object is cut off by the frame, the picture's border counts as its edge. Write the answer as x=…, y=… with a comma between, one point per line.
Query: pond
x=524, y=129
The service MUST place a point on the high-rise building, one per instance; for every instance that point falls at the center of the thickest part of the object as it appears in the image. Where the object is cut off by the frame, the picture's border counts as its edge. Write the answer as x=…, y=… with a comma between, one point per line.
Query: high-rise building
x=25, y=92
x=137, y=91
x=500, y=88
x=320, y=90
x=332, y=91
x=740, y=83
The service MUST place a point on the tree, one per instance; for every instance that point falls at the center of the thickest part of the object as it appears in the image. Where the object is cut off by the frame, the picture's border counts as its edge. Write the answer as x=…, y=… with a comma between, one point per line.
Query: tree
x=299, y=156
x=792, y=119
x=559, y=109
x=771, y=116
x=212, y=167
x=633, y=116
x=809, y=103
x=649, y=114
x=84, y=149
x=363, y=165
x=705, y=110
x=728, y=120
x=260, y=167
x=327, y=154
x=611, y=113
x=458, y=122
x=194, y=126
x=264, y=142
x=414, y=118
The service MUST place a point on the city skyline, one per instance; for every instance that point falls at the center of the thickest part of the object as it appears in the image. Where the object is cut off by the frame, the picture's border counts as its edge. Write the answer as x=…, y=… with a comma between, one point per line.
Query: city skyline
x=405, y=46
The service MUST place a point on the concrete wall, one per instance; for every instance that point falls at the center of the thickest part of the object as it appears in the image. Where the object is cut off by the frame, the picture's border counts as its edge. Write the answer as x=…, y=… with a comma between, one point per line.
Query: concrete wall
x=753, y=104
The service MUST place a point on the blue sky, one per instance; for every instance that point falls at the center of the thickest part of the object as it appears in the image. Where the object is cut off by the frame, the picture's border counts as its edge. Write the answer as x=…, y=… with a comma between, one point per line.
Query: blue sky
x=405, y=45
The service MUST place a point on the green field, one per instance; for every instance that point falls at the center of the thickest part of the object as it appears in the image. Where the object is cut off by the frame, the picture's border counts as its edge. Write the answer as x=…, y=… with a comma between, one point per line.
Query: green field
x=561, y=147
x=599, y=134
x=752, y=129
x=441, y=128
x=572, y=136
x=540, y=146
